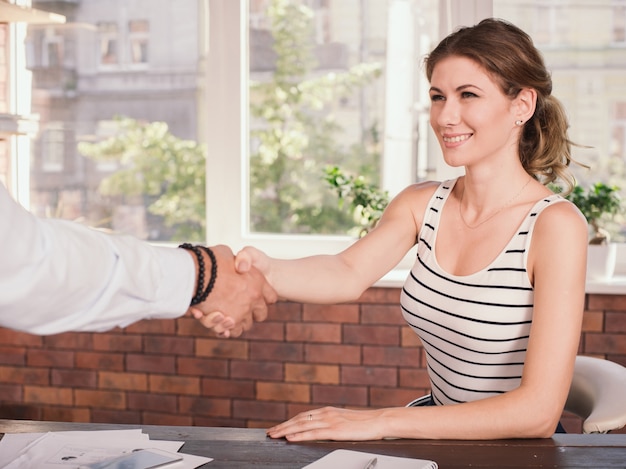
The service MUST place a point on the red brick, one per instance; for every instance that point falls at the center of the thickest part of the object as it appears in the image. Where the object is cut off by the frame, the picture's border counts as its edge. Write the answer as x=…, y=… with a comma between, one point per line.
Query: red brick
x=211, y=406
x=256, y=370
x=381, y=296
x=267, y=330
x=151, y=363
x=283, y=392
x=100, y=399
x=11, y=337
x=152, y=326
x=190, y=326
x=69, y=340
x=408, y=338
x=303, y=373
x=572, y=423
x=252, y=409
x=285, y=311
x=263, y=424
x=243, y=389
x=414, y=378
x=342, y=313
x=50, y=358
x=122, y=381
x=605, y=343
x=12, y=355
x=202, y=366
x=168, y=345
x=66, y=414
x=277, y=351
x=294, y=409
x=220, y=422
x=48, y=395
x=339, y=395
x=116, y=416
x=100, y=360
x=21, y=412
x=174, y=384
x=606, y=302
x=312, y=332
x=616, y=322
x=73, y=378
x=10, y=393
x=117, y=342
x=333, y=354
x=220, y=348
x=593, y=321
x=391, y=356
x=392, y=397
x=21, y=375
x=369, y=375
x=163, y=418
x=151, y=402
x=382, y=314
x=371, y=335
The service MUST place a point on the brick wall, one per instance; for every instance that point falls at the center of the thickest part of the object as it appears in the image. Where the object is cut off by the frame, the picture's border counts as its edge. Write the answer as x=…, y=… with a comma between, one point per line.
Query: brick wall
x=302, y=357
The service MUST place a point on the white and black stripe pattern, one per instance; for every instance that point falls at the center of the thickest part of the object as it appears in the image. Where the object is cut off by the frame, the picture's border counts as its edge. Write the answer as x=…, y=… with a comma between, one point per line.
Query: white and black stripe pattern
x=474, y=328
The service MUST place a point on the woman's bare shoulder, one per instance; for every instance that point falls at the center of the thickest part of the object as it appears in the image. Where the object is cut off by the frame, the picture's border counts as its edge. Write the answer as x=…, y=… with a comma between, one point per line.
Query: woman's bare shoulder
x=424, y=189
x=561, y=221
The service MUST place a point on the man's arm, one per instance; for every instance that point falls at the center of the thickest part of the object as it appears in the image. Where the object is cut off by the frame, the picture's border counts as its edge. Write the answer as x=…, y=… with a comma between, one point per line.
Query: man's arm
x=58, y=276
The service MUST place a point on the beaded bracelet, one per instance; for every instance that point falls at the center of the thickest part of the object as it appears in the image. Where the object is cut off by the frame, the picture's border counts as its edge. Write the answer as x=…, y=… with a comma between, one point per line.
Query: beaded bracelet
x=201, y=295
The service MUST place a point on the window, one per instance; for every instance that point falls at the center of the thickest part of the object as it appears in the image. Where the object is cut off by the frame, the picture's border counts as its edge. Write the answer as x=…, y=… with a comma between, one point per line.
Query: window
x=53, y=151
x=108, y=41
x=138, y=41
x=52, y=53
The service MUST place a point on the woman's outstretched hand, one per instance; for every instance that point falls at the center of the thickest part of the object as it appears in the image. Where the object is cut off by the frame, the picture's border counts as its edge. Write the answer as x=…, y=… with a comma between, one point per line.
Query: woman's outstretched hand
x=331, y=423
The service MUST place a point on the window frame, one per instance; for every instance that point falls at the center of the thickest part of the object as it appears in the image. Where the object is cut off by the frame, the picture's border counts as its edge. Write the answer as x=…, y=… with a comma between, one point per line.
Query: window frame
x=226, y=133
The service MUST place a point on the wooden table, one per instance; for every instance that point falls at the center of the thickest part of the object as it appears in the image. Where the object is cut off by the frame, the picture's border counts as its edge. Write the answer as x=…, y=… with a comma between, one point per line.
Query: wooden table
x=245, y=447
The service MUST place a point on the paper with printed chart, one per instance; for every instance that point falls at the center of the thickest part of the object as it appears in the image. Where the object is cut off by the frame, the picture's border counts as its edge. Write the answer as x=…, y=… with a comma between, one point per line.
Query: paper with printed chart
x=69, y=450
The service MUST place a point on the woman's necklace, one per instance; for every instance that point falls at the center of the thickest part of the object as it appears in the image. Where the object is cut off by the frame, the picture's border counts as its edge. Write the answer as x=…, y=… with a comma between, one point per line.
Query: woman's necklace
x=494, y=213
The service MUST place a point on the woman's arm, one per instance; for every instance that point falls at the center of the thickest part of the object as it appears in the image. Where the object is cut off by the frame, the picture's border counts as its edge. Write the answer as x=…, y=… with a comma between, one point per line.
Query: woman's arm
x=556, y=264
x=325, y=279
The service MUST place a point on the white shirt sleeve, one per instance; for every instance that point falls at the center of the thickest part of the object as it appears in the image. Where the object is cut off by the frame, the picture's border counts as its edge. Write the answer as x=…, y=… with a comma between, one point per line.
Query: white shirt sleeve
x=58, y=276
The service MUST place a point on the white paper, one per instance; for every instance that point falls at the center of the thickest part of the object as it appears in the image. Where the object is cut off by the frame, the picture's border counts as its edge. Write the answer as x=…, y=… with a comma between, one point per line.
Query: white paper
x=68, y=450
x=348, y=459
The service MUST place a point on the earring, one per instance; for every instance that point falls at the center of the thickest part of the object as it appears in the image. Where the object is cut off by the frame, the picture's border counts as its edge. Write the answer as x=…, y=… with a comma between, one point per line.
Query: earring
x=519, y=122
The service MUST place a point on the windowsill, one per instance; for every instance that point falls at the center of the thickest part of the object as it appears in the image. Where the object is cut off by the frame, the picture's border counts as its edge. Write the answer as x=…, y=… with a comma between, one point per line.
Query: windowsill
x=616, y=285
x=613, y=286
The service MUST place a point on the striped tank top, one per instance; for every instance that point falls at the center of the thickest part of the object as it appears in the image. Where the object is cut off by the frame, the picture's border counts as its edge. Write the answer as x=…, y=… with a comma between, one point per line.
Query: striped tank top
x=474, y=328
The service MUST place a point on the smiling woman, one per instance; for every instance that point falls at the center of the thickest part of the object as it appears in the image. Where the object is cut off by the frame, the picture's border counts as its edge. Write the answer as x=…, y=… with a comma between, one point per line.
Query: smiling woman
x=496, y=286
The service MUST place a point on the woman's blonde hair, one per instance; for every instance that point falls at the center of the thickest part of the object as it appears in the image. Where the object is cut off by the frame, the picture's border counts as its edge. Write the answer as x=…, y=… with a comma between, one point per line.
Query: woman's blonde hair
x=508, y=54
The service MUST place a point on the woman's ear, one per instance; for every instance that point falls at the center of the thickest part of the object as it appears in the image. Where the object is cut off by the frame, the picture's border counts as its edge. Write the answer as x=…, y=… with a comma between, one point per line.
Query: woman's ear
x=524, y=104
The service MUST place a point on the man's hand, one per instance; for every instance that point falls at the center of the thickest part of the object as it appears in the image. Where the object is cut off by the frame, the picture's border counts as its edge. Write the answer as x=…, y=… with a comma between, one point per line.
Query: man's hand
x=237, y=298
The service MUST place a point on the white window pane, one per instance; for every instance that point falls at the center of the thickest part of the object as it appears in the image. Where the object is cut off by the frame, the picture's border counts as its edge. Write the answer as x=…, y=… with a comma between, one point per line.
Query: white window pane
x=149, y=182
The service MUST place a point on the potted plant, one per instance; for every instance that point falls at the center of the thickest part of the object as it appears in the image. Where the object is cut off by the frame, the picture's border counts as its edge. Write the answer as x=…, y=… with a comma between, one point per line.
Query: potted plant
x=366, y=201
x=599, y=204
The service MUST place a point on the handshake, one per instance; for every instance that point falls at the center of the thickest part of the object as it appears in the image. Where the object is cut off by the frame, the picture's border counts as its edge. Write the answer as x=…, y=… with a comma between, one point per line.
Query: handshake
x=240, y=293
